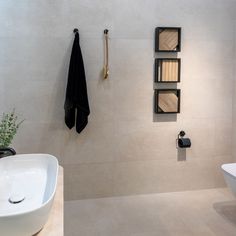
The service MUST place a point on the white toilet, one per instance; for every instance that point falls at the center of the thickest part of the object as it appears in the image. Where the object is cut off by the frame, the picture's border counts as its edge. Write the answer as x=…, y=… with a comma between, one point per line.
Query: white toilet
x=229, y=171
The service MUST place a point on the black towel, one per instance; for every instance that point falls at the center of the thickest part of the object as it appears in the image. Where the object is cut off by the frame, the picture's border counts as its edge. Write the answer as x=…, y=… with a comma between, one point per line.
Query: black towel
x=76, y=103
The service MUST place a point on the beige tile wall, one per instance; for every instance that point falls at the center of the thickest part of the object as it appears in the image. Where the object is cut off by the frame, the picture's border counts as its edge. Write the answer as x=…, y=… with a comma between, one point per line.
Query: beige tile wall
x=125, y=149
x=234, y=111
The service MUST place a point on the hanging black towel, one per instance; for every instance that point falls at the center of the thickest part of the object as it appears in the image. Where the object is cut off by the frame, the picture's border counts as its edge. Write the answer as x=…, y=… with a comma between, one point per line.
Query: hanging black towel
x=76, y=103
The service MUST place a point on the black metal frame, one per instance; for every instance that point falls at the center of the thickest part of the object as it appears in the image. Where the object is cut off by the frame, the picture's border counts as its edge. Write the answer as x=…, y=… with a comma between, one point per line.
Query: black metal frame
x=157, y=32
x=160, y=60
x=156, y=97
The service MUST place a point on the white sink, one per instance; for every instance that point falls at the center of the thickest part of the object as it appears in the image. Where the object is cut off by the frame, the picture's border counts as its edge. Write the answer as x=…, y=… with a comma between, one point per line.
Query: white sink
x=27, y=188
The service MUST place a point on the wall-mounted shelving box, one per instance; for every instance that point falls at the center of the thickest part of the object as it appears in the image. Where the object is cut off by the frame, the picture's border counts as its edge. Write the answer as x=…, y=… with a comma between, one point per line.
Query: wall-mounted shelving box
x=168, y=39
x=167, y=70
x=167, y=101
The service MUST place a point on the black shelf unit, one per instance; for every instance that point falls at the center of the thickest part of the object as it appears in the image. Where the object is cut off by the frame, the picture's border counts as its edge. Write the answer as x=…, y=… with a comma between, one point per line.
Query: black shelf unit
x=159, y=30
x=158, y=69
x=157, y=109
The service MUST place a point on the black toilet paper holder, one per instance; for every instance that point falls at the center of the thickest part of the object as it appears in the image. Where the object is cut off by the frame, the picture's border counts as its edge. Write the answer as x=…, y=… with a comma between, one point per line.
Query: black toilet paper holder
x=183, y=142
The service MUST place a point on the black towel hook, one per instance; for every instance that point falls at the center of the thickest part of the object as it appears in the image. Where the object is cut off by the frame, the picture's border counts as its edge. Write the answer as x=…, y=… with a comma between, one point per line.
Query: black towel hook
x=75, y=30
x=181, y=134
x=106, y=31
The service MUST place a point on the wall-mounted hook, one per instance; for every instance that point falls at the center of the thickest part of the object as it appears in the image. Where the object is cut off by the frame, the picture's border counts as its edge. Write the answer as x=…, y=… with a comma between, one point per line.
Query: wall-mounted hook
x=75, y=30
x=106, y=61
x=181, y=133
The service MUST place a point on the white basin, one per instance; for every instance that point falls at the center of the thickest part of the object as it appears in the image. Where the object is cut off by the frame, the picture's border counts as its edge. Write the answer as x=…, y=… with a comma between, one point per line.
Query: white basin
x=27, y=188
x=229, y=171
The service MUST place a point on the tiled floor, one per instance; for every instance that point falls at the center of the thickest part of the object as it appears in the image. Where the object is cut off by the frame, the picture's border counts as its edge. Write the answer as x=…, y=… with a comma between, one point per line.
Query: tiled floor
x=193, y=213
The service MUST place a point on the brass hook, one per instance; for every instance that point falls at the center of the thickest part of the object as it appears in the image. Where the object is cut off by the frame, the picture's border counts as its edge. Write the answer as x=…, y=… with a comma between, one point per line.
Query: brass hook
x=106, y=62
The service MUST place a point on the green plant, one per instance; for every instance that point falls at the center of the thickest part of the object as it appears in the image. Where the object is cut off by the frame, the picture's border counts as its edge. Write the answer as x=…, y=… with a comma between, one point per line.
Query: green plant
x=8, y=128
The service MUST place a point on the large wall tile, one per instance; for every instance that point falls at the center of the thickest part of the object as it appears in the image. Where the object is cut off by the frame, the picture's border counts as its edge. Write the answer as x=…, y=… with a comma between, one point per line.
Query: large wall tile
x=202, y=133
x=162, y=176
x=90, y=146
x=134, y=17
x=88, y=181
x=36, y=100
x=147, y=177
x=219, y=176
x=141, y=143
x=40, y=138
x=223, y=139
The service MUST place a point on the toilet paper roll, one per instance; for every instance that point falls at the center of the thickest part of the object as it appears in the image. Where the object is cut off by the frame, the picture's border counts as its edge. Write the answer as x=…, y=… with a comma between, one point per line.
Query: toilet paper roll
x=184, y=143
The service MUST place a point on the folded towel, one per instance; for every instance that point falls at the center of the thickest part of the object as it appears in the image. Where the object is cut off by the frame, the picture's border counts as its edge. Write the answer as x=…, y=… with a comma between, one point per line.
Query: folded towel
x=76, y=103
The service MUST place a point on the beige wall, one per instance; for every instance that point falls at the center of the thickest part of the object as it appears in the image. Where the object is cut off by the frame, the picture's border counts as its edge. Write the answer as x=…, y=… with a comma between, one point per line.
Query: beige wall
x=125, y=149
x=234, y=109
